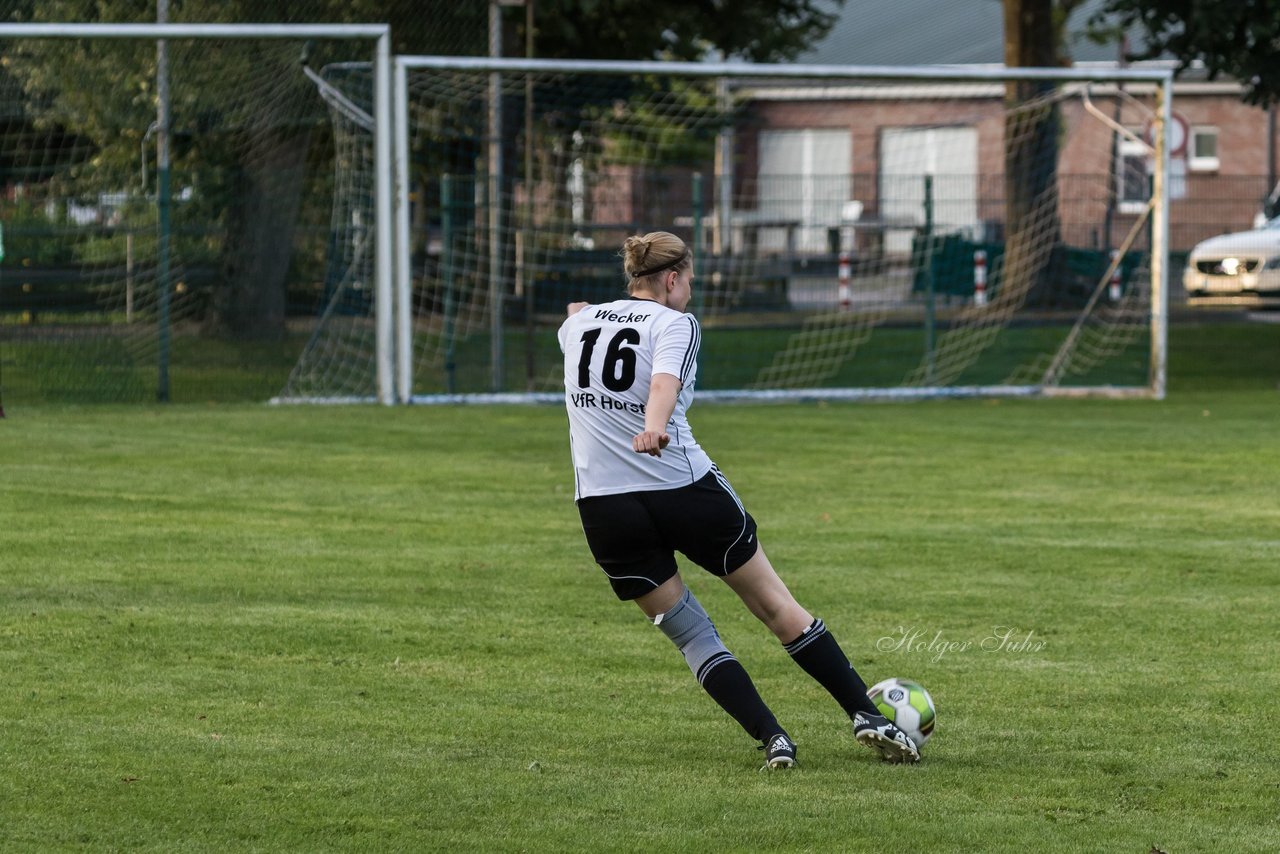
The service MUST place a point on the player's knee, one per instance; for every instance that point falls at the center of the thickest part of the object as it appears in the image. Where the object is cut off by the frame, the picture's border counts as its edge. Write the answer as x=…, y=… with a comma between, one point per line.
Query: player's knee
x=693, y=633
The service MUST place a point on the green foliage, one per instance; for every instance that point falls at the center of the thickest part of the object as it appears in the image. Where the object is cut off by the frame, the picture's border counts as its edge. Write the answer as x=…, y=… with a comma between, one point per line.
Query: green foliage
x=665, y=121
x=29, y=235
x=240, y=111
x=752, y=30
x=40, y=233
x=756, y=30
x=1236, y=39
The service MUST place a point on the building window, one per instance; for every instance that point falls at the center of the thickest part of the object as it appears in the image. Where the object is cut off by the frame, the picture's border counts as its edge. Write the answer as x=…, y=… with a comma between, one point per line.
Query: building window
x=1133, y=178
x=805, y=179
x=1202, y=149
x=948, y=157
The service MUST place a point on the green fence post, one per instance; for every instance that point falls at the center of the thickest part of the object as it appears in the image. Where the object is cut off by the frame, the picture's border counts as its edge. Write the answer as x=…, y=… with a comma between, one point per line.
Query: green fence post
x=697, y=235
x=930, y=316
x=1, y=349
x=162, y=282
x=164, y=233
x=446, y=273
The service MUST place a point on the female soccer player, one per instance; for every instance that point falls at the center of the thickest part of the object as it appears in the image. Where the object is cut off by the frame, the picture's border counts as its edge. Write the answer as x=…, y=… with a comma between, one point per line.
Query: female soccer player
x=645, y=489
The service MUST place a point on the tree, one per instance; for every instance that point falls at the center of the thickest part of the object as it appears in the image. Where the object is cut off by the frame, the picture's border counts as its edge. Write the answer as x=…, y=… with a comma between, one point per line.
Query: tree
x=1032, y=126
x=249, y=139
x=1236, y=39
x=252, y=176
x=751, y=30
x=1035, y=36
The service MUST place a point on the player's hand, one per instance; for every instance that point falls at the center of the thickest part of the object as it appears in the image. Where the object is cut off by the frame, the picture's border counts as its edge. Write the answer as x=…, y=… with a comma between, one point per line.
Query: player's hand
x=575, y=307
x=650, y=442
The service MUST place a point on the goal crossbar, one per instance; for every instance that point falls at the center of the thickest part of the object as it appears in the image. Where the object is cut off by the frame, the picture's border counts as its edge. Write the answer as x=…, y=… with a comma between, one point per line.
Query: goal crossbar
x=196, y=31
x=964, y=73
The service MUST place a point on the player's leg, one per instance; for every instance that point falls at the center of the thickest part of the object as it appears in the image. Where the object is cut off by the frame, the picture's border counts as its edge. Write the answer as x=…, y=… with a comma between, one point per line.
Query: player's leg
x=812, y=646
x=629, y=546
x=767, y=597
x=676, y=611
x=803, y=636
x=662, y=599
x=708, y=523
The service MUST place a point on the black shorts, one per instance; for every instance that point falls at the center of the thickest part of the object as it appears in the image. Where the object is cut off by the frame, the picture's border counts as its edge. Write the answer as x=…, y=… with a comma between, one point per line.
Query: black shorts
x=634, y=536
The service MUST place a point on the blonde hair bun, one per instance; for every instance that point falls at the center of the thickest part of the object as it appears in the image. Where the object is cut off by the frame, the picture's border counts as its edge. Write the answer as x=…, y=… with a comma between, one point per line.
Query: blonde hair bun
x=646, y=254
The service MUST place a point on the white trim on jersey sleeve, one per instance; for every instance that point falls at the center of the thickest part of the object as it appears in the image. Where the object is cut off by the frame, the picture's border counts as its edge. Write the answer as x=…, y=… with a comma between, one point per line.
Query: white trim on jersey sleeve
x=675, y=349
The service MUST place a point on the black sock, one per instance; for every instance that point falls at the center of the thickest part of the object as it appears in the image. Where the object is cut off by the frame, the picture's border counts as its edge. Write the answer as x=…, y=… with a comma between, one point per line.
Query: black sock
x=818, y=654
x=731, y=687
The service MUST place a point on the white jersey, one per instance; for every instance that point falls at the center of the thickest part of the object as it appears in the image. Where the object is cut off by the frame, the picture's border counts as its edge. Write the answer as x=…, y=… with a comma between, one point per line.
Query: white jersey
x=611, y=351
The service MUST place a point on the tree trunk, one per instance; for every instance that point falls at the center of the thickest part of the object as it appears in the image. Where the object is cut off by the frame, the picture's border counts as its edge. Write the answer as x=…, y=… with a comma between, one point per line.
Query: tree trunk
x=259, y=245
x=1032, y=126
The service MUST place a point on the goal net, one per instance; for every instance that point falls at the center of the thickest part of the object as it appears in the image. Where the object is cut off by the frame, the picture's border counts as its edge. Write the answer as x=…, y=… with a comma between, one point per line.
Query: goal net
x=858, y=232
x=238, y=270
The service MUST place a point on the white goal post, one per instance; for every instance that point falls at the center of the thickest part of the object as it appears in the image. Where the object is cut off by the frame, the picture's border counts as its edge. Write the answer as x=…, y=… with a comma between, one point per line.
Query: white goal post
x=379, y=208
x=825, y=277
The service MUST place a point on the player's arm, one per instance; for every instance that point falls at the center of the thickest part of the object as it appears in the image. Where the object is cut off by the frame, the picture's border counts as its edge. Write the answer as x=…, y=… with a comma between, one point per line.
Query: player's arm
x=663, y=391
x=562, y=334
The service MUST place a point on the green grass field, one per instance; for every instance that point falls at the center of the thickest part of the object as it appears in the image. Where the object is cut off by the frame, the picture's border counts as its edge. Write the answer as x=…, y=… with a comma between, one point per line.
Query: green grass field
x=244, y=628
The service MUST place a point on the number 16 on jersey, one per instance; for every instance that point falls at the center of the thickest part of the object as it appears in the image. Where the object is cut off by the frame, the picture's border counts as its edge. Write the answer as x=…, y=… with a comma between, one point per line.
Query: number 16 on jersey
x=618, y=370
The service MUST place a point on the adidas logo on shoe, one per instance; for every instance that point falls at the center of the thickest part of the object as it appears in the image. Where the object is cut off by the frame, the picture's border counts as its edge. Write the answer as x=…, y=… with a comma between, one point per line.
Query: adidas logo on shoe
x=779, y=752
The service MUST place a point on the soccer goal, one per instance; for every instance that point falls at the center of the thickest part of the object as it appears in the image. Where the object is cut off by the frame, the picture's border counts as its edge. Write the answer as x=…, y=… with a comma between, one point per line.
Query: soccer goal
x=859, y=232
x=180, y=199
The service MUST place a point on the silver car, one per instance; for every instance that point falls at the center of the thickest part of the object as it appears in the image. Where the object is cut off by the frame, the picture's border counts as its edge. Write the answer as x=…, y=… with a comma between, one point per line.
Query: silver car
x=1236, y=269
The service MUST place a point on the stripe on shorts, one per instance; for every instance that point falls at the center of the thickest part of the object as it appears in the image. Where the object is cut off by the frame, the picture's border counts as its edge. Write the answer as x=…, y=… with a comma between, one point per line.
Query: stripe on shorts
x=724, y=482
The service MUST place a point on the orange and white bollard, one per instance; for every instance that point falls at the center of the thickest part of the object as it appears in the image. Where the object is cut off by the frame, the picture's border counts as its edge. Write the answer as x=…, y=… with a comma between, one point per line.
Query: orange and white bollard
x=1114, y=289
x=844, y=281
x=980, y=277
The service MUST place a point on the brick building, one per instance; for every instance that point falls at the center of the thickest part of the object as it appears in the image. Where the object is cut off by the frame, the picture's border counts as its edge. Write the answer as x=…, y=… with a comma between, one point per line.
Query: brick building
x=806, y=152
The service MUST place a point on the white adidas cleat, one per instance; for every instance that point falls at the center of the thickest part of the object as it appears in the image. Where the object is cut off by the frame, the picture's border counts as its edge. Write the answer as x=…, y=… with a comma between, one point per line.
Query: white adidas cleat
x=879, y=733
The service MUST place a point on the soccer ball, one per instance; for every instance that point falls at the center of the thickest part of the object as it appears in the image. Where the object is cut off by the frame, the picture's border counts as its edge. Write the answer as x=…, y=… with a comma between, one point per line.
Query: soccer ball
x=908, y=705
